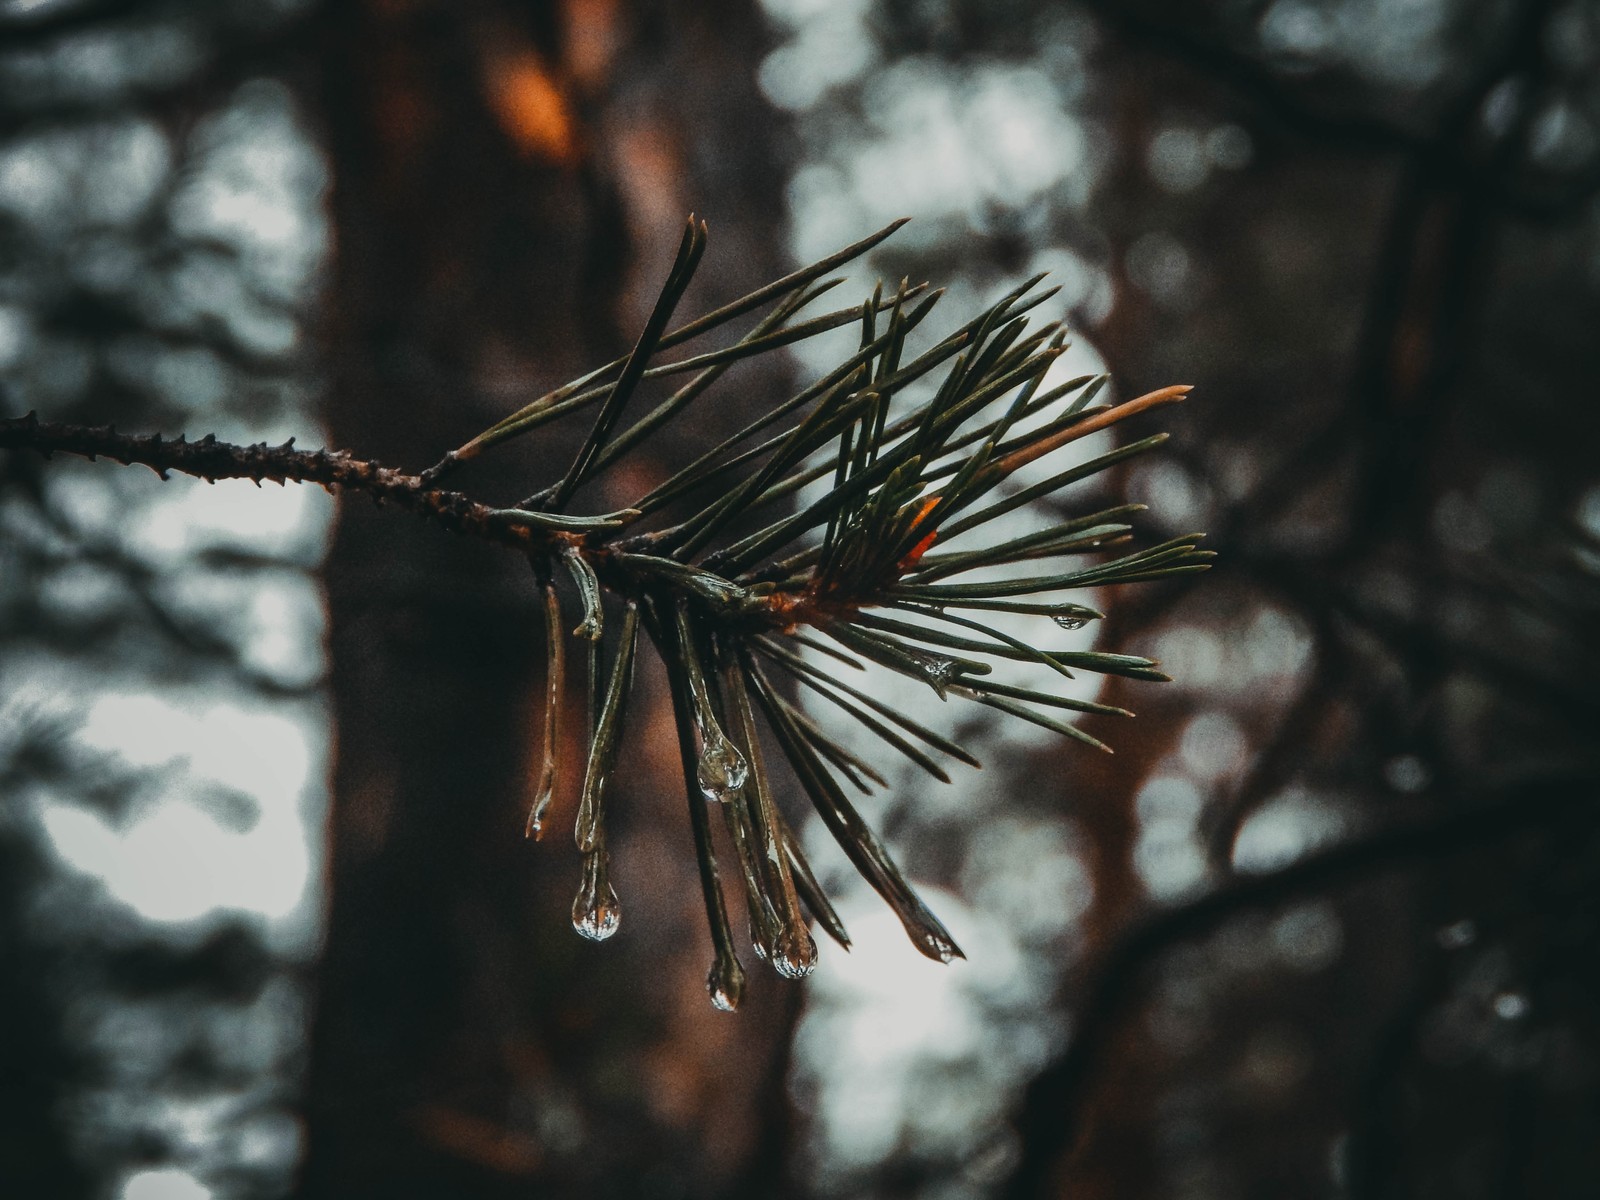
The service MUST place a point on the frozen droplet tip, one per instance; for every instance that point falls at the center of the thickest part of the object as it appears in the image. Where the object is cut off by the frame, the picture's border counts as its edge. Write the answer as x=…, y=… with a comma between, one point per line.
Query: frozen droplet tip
x=596, y=911
x=597, y=923
x=794, y=956
x=940, y=948
x=722, y=770
x=725, y=984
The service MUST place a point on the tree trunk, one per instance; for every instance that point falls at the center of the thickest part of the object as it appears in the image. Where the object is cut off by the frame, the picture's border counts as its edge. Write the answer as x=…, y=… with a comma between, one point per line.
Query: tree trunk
x=494, y=172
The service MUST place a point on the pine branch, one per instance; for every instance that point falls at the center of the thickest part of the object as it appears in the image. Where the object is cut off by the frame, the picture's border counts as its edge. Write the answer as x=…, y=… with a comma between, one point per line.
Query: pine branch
x=705, y=586
x=211, y=460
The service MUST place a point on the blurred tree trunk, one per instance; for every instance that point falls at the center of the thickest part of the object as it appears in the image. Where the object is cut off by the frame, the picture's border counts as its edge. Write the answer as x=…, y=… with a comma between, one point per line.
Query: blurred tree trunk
x=496, y=166
x=1344, y=303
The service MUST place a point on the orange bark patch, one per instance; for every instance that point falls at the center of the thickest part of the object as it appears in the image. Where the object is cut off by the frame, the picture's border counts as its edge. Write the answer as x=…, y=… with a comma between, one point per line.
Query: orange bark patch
x=532, y=107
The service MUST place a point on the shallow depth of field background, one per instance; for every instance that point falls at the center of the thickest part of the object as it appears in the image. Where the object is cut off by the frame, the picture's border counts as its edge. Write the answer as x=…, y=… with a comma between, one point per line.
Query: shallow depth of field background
x=268, y=926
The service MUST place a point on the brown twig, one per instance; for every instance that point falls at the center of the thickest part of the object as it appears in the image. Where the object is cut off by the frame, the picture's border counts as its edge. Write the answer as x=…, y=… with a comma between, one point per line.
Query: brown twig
x=211, y=460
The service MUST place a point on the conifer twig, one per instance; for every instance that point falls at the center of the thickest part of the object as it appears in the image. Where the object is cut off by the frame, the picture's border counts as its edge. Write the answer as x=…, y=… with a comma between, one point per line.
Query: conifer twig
x=733, y=559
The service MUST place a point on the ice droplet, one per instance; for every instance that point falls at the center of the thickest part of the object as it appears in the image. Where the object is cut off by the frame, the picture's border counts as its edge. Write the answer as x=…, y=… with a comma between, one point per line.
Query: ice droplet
x=941, y=948
x=722, y=771
x=1073, y=616
x=541, y=808
x=596, y=911
x=794, y=955
x=938, y=671
x=599, y=921
x=726, y=984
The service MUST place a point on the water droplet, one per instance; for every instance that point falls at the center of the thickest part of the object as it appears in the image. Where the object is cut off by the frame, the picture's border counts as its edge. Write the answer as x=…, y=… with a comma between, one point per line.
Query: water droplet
x=541, y=807
x=596, y=923
x=596, y=911
x=794, y=956
x=1457, y=935
x=941, y=948
x=722, y=771
x=1073, y=616
x=726, y=984
x=938, y=671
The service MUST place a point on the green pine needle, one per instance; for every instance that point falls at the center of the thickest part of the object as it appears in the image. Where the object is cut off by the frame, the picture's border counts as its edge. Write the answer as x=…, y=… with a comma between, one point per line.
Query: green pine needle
x=696, y=562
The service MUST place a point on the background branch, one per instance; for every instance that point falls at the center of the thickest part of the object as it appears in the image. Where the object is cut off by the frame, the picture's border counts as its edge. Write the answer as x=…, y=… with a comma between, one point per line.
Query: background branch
x=1054, y=1110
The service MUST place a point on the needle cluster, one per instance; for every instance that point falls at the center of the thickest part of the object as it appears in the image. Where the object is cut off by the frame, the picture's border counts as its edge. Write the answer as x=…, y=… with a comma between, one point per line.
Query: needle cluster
x=728, y=567
x=735, y=564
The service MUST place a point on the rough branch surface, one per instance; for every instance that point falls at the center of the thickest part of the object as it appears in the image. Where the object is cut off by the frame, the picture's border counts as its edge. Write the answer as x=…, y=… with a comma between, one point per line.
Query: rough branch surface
x=211, y=460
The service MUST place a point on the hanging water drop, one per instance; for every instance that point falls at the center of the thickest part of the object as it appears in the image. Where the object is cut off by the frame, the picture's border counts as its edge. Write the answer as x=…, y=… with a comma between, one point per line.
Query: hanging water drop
x=1072, y=616
x=596, y=911
x=939, y=947
x=794, y=954
x=938, y=672
x=598, y=923
x=722, y=771
x=726, y=984
x=541, y=806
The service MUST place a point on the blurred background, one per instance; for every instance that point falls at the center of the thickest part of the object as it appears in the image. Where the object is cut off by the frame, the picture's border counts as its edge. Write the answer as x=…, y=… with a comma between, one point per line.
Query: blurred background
x=1326, y=925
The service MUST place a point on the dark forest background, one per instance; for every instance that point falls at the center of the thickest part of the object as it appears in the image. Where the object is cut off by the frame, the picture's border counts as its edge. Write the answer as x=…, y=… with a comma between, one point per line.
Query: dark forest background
x=1333, y=910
